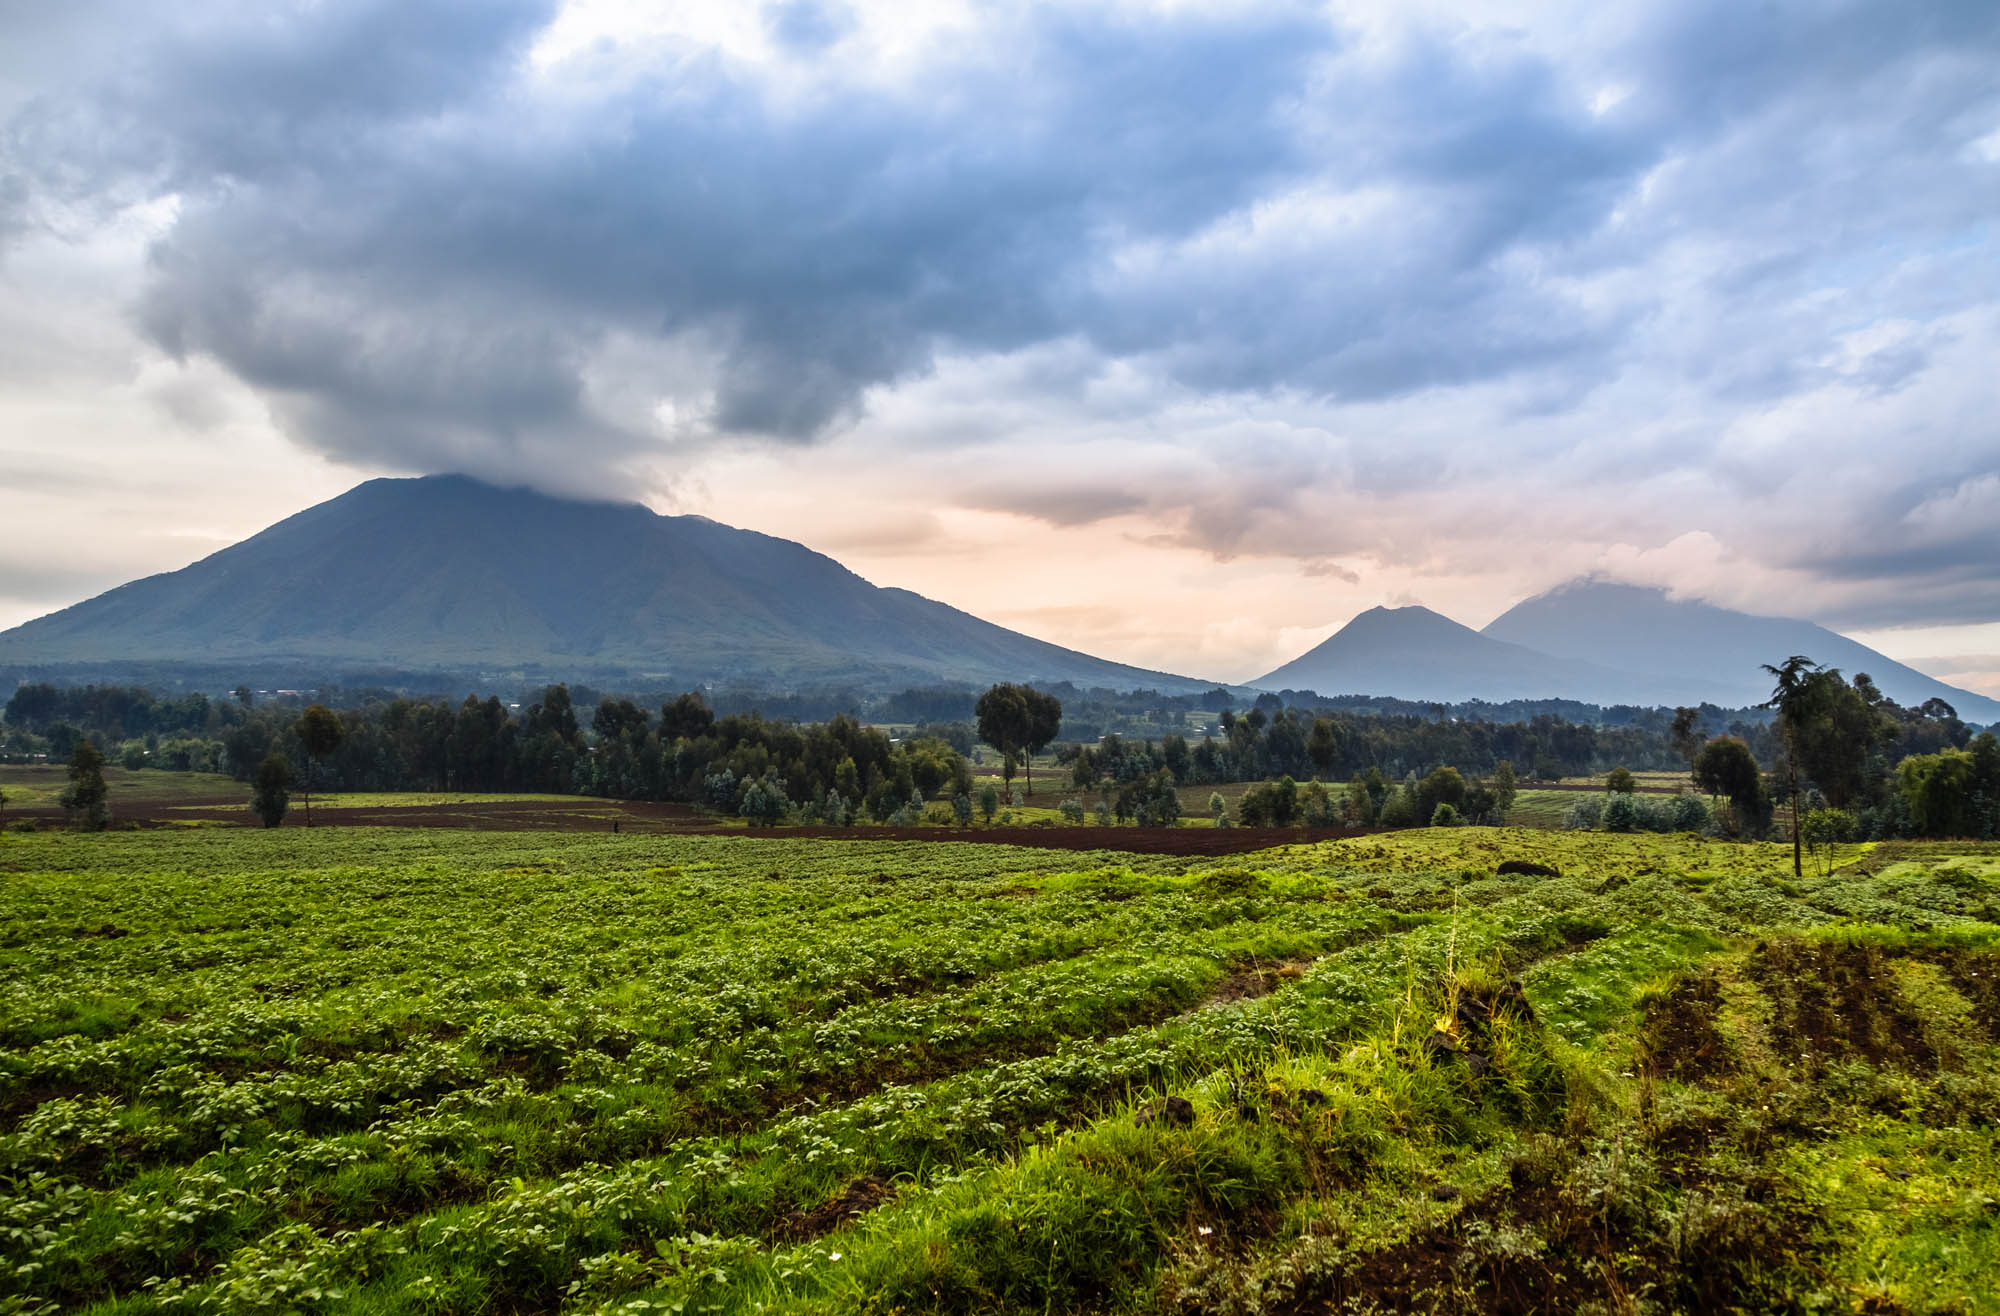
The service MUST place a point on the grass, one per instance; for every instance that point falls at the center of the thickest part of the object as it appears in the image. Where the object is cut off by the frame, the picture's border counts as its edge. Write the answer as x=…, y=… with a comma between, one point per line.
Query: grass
x=35, y=786
x=389, y=1070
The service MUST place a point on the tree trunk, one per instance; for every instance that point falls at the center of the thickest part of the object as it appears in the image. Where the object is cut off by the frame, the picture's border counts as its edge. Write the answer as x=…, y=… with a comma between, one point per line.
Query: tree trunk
x=1798, y=869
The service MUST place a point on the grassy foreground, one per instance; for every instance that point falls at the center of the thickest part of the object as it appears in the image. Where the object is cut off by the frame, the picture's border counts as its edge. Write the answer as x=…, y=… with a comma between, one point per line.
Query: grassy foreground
x=426, y=1071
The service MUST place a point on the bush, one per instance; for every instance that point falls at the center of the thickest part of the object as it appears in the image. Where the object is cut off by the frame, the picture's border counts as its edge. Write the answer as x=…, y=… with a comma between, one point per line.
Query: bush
x=764, y=802
x=1584, y=815
x=1619, y=781
x=1688, y=813
x=1071, y=811
x=1621, y=814
x=1400, y=809
x=961, y=809
x=1444, y=816
x=1273, y=804
x=1151, y=801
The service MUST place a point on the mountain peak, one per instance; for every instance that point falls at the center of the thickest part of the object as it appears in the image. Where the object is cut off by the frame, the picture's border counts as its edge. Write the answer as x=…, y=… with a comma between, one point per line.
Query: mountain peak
x=454, y=574
x=1641, y=630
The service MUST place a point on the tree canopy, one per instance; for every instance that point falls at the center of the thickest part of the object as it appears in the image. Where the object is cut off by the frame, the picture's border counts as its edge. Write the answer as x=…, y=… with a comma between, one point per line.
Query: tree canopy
x=1018, y=719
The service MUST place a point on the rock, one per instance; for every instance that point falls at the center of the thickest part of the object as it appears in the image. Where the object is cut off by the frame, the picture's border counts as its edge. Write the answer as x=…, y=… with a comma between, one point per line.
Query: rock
x=1176, y=1112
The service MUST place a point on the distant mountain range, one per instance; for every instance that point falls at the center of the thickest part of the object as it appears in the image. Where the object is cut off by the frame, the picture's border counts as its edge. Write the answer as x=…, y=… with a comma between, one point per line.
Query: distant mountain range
x=1597, y=642
x=451, y=575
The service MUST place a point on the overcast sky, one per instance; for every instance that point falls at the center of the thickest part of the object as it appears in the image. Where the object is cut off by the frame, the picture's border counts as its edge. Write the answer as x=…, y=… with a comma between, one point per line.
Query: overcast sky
x=1178, y=333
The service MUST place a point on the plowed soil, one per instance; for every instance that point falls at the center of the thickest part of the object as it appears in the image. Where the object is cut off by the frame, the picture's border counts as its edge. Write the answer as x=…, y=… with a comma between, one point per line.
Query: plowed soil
x=645, y=817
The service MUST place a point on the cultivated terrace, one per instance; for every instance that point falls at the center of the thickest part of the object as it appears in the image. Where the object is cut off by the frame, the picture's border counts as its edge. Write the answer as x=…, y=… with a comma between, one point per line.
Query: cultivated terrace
x=374, y=1071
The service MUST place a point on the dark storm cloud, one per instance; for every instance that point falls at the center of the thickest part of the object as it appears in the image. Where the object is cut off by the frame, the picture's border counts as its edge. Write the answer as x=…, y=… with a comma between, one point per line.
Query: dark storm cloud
x=427, y=254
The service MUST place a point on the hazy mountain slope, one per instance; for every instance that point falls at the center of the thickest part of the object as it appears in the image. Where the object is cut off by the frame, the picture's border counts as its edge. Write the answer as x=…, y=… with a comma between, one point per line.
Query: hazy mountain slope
x=1642, y=631
x=1414, y=653
x=448, y=573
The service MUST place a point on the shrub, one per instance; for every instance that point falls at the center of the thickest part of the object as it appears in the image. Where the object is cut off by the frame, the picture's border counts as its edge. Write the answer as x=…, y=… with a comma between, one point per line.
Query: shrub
x=764, y=801
x=1321, y=810
x=1444, y=816
x=1688, y=813
x=1400, y=809
x=273, y=793
x=1071, y=811
x=1621, y=814
x=1619, y=781
x=1584, y=815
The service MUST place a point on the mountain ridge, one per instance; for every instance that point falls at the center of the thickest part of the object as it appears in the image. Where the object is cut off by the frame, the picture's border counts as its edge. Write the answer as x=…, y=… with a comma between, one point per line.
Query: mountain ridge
x=1645, y=631
x=1416, y=653
x=447, y=572
x=1598, y=643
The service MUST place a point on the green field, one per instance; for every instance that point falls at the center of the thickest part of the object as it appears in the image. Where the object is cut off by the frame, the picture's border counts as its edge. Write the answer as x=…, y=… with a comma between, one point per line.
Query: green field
x=373, y=1070
x=41, y=787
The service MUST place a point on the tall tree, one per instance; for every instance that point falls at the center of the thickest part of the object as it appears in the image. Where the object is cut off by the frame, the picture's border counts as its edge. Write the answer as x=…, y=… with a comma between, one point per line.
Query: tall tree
x=320, y=732
x=1323, y=746
x=85, y=797
x=1687, y=733
x=1018, y=719
x=1792, y=697
x=272, y=793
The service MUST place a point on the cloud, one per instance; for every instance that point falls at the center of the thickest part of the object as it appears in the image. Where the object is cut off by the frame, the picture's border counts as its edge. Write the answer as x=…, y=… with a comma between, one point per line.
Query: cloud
x=1376, y=295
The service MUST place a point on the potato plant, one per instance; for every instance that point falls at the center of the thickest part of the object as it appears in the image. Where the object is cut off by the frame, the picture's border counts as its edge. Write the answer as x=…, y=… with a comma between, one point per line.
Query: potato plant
x=398, y=1070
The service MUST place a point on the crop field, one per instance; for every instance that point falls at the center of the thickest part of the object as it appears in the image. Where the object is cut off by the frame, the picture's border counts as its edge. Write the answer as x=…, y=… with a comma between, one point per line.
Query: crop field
x=400, y=1070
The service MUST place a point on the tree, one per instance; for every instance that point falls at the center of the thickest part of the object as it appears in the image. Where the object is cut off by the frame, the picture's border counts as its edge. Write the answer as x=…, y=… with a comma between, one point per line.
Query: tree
x=1273, y=804
x=320, y=733
x=1444, y=816
x=1443, y=786
x=1687, y=733
x=687, y=718
x=272, y=794
x=1503, y=789
x=1726, y=767
x=1790, y=697
x=1826, y=829
x=1323, y=746
x=1619, y=781
x=1018, y=719
x=765, y=801
x=989, y=801
x=85, y=798
x=1937, y=791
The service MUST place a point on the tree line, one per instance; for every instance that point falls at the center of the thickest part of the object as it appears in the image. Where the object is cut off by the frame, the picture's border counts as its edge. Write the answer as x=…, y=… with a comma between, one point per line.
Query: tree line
x=1866, y=766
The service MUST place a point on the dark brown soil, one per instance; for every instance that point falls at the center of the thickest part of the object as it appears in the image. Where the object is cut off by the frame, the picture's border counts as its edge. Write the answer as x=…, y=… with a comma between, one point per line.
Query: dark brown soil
x=651, y=818
x=858, y=1198
x=1834, y=1002
x=1583, y=1252
x=1251, y=983
x=1680, y=1040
